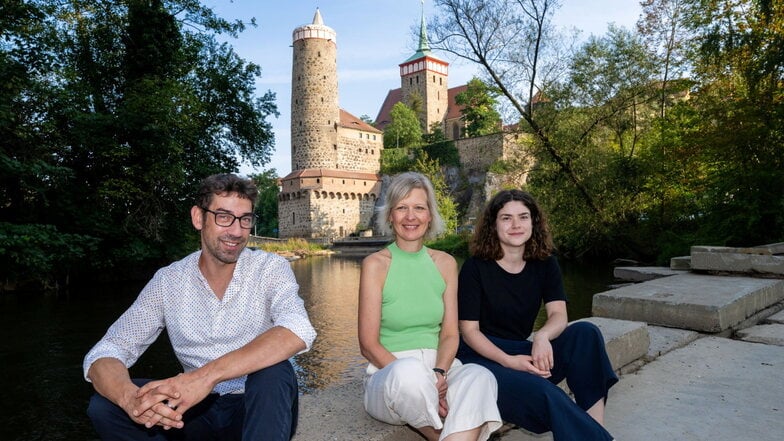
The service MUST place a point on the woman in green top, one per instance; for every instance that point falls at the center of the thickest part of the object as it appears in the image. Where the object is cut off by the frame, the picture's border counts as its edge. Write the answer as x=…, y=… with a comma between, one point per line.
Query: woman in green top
x=408, y=327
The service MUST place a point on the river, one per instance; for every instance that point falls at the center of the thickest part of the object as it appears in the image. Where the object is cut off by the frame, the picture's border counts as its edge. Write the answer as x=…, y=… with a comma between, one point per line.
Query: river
x=45, y=339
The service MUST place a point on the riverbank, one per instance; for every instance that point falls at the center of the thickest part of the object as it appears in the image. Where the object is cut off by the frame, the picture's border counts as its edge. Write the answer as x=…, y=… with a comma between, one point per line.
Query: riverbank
x=699, y=354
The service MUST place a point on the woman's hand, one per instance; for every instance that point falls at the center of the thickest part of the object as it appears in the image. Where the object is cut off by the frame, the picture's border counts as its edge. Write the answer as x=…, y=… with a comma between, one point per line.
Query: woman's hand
x=525, y=363
x=441, y=386
x=542, y=353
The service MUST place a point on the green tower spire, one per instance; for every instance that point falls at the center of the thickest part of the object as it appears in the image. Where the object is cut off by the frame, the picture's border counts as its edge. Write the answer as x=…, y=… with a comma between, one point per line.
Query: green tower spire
x=424, y=46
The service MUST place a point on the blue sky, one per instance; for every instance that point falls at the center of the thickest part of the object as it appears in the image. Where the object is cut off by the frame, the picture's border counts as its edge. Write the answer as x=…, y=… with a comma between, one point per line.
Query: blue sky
x=373, y=37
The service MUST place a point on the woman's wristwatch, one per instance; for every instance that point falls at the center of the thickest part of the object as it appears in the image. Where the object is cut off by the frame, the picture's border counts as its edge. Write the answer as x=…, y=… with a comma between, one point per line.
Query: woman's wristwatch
x=440, y=371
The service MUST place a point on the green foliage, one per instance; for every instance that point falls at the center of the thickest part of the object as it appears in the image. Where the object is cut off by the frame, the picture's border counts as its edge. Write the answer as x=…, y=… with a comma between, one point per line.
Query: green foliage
x=111, y=114
x=479, y=103
x=439, y=148
x=404, y=129
x=267, y=203
x=454, y=244
x=28, y=251
x=394, y=161
x=446, y=205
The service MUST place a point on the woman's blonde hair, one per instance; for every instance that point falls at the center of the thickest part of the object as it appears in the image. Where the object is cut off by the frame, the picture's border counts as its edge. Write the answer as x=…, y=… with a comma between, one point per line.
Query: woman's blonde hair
x=399, y=188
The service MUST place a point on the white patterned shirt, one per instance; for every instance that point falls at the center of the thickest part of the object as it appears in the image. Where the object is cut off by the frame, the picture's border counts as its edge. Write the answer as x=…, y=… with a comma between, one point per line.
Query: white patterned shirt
x=262, y=294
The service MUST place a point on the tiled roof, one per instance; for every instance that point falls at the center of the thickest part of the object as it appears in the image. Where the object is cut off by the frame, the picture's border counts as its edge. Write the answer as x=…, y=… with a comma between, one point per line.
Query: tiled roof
x=453, y=110
x=352, y=122
x=396, y=95
x=329, y=173
x=393, y=97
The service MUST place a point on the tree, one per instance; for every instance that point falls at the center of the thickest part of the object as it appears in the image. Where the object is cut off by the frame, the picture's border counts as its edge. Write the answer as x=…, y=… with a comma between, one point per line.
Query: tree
x=446, y=205
x=403, y=129
x=513, y=42
x=113, y=113
x=267, y=204
x=739, y=66
x=663, y=26
x=585, y=130
x=479, y=102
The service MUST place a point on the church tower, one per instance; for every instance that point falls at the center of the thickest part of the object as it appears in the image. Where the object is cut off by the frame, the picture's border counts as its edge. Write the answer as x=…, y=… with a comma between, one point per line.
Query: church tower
x=315, y=113
x=423, y=80
x=335, y=156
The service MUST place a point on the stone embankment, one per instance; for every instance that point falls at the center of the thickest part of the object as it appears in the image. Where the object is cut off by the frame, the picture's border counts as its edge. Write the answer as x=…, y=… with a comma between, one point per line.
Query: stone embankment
x=699, y=348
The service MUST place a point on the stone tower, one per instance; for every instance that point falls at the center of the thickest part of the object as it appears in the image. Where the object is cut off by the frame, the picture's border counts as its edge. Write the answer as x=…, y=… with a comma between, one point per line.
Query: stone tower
x=423, y=78
x=314, y=96
x=335, y=156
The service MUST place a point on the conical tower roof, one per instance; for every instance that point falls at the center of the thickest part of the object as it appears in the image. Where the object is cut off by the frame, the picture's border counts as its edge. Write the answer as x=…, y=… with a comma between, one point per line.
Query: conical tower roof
x=424, y=46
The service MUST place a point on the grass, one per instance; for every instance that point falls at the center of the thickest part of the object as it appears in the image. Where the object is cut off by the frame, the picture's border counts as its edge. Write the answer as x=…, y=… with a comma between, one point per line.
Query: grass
x=297, y=246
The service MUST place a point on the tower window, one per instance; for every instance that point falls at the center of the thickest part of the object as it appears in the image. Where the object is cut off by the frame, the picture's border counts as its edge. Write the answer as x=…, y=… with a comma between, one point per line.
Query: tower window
x=410, y=81
x=434, y=78
x=360, y=136
x=417, y=79
x=440, y=81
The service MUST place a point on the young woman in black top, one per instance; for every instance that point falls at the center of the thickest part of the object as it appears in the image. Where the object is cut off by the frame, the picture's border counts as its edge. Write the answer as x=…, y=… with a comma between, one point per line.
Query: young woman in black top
x=500, y=291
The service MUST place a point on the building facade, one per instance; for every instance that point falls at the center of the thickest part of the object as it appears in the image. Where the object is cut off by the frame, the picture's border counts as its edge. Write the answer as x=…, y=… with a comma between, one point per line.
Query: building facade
x=335, y=156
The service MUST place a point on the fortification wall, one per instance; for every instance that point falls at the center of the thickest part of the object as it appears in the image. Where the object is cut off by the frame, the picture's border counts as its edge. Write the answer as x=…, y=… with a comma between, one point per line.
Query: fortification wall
x=359, y=151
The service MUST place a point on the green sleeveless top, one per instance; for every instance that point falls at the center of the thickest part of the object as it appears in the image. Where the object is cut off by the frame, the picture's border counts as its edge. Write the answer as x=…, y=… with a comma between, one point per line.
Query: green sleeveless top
x=412, y=303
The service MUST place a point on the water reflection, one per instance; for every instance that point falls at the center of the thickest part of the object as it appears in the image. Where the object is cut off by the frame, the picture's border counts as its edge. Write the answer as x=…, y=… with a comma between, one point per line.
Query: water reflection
x=329, y=287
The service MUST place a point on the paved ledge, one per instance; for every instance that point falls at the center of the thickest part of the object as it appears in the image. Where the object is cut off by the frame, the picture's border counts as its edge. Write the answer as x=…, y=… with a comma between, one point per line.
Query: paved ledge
x=337, y=413
x=698, y=302
x=772, y=334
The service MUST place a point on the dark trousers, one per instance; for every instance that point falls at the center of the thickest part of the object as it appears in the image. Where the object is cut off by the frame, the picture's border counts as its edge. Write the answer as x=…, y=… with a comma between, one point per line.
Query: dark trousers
x=537, y=404
x=267, y=410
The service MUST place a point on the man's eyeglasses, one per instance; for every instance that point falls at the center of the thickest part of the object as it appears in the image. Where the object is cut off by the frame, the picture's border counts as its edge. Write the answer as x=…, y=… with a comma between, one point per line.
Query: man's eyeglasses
x=247, y=221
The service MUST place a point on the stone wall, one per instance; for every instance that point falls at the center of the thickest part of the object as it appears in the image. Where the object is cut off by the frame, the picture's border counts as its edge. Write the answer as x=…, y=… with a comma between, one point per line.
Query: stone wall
x=479, y=153
x=327, y=206
x=359, y=150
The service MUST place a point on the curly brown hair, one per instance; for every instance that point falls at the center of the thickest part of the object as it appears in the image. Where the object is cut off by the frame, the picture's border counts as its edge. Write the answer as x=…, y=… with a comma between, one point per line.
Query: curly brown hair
x=225, y=183
x=485, y=243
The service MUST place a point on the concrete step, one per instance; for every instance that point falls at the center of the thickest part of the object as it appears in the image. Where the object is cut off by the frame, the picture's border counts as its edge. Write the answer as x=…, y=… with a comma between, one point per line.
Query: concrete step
x=771, y=334
x=625, y=341
x=697, y=302
x=643, y=273
x=766, y=259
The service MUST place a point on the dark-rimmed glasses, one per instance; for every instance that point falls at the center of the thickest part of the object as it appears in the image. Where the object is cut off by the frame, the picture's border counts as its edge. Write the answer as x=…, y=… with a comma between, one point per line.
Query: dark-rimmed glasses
x=247, y=221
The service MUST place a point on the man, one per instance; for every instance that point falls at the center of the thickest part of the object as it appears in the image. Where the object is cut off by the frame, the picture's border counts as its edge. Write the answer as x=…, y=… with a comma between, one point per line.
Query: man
x=234, y=318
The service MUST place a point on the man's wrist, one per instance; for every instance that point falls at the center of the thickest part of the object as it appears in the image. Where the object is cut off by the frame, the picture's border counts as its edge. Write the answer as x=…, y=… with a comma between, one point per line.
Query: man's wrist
x=440, y=371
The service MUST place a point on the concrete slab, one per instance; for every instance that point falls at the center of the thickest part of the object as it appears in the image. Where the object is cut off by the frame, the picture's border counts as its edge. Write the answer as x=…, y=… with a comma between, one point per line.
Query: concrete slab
x=625, y=341
x=777, y=318
x=770, y=249
x=690, y=301
x=712, y=389
x=759, y=260
x=337, y=414
x=772, y=334
x=643, y=273
x=680, y=263
x=664, y=340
